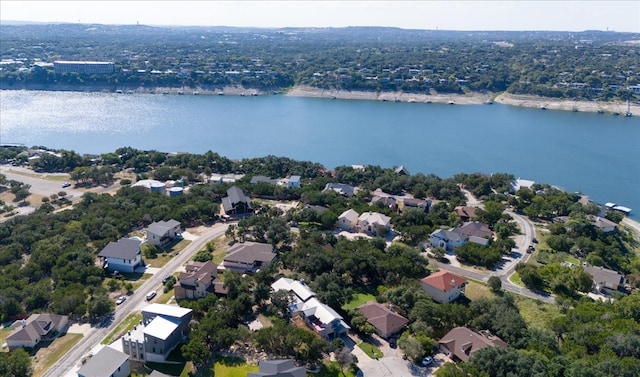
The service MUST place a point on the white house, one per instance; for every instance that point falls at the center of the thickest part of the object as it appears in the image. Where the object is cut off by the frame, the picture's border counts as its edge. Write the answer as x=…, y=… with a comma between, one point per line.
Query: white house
x=162, y=232
x=372, y=222
x=519, y=183
x=446, y=239
x=124, y=255
x=108, y=362
x=348, y=220
x=443, y=286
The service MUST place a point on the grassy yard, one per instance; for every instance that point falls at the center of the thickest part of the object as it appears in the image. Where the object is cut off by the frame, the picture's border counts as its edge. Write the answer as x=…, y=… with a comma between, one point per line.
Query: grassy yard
x=536, y=313
x=4, y=333
x=474, y=290
x=371, y=350
x=332, y=369
x=45, y=357
x=232, y=367
x=358, y=299
x=515, y=279
x=124, y=326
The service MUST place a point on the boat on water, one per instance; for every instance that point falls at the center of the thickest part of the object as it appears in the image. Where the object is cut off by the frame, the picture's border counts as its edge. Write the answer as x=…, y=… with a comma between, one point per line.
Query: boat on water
x=180, y=92
x=628, y=113
x=119, y=91
x=196, y=93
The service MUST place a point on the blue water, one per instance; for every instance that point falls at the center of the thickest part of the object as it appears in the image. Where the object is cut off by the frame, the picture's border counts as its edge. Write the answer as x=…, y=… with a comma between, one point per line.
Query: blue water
x=596, y=154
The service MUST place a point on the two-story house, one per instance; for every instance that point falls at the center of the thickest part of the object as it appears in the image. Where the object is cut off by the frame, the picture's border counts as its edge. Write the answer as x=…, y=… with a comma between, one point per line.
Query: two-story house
x=198, y=280
x=443, y=286
x=161, y=233
x=123, y=256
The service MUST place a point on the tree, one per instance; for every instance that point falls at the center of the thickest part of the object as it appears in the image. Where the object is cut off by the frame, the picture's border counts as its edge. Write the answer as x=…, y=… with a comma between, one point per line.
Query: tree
x=16, y=363
x=344, y=358
x=495, y=284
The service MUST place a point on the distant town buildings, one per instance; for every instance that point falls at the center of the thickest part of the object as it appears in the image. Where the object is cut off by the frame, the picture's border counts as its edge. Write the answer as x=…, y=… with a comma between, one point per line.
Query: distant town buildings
x=83, y=67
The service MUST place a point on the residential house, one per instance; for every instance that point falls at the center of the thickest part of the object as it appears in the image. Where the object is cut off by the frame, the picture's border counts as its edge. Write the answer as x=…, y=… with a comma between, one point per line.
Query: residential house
x=519, y=183
x=236, y=202
x=604, y=224
x=443, y=286
x=340, y=188
x=446, y=239
x=374, y=223
x=348, y=220
x=386, y=321
x=123, y=256
x=278, y=368
x=319, y=317
x=604, y=278
x=385, y=201
x=108, y=362
x=262, y=179
x=323, y=319
x=465, y=213
x=461, y=342
x=161, y=233
x=200, y=279
x=248, y=257
x=218, y=179
x=475, y=228
x=38, y=327
x=421, y=204
x=401, y=170
x=162, y=329
x=290, y=182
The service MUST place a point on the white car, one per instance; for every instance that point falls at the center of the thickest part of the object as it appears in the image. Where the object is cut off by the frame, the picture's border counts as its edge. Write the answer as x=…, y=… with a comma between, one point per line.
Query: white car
x=120, y=300
x=151, y=295
x=427, y=361
x=66, y=184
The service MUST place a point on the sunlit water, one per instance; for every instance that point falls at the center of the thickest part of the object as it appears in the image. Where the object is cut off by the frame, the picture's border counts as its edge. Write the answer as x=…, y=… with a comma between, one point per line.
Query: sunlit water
x=596, y=154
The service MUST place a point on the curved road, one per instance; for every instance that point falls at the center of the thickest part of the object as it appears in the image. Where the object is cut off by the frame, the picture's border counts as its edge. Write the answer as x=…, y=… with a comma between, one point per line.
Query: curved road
x=67, y=363
x=509, y=266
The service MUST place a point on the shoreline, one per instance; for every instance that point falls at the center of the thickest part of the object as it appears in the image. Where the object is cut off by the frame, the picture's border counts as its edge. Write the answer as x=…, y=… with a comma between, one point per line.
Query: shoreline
x=529, y=101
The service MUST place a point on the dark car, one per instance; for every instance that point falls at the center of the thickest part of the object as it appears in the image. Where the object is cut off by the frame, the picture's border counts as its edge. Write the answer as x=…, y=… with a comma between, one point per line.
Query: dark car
x=166, y=279
x=393, y=343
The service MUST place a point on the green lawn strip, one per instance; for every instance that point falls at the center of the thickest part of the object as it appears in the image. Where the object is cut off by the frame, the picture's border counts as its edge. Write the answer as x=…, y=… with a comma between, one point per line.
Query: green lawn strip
x=358, y=299
x=536, y=313
x=332, y=369
x=232, y=367
x=4, y=333
x=60, y=346
x=475, y=290
x=515, y=279
x=124, y=326
x=371, y=350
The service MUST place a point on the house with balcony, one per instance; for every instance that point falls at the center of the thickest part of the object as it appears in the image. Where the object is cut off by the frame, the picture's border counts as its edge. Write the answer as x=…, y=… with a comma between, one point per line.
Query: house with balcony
x=236, y=202
x=123, y=256
x=160, y=233
x=198, y=280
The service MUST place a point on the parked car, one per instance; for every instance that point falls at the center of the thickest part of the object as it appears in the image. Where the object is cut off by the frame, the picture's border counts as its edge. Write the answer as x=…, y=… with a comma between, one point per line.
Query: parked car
x=426, y=361
x=151, y=295
x=66, y=184
x=393, y=343
x=120, y=300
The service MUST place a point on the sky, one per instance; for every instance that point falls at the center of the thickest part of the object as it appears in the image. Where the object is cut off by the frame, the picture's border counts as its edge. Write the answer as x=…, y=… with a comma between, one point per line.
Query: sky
x=426, y=14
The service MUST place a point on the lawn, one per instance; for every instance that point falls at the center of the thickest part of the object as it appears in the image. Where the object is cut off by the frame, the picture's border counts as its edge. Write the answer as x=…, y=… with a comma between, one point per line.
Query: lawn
x=536, y=313
x=47, y=356
x=371, y=350
x=232, y=367
x=474, y=290
x=358, y=299
x=515, y=279
x=332, y=369
x=4, y=333
x=124, y=326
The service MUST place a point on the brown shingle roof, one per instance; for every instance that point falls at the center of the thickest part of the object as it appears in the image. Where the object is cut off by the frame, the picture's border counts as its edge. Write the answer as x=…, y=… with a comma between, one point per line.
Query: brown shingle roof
x=382, y=318
x=462, y=342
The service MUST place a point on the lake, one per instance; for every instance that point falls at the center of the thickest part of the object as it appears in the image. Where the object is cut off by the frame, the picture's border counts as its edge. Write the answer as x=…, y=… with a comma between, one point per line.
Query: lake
x=596, y=154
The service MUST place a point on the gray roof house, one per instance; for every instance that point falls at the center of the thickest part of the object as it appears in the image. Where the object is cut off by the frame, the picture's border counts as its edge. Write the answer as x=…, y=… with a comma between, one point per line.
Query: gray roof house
x=245, y=257
x=124, y=255
x=475, y=228
x=161, y=233
x=278, y=368
x=236, y=202
x=446, y=239
x=604, y=278
x=38, y=327
x=340, y=188
x=108, y=362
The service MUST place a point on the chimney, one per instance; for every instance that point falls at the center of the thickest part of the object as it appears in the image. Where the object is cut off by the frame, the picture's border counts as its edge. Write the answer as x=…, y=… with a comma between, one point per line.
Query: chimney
x=24, y=323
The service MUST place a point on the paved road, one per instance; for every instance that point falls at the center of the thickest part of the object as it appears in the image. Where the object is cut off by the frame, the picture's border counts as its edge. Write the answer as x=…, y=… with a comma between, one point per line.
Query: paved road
x=508, y=268
x=67, y=365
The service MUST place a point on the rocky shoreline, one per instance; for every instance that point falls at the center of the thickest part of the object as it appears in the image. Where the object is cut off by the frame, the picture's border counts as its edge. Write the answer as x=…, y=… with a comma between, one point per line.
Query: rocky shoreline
x=530, y=101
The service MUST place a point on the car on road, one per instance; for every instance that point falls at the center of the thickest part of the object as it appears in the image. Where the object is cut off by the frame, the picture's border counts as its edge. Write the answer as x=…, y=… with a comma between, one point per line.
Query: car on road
x=120, y=300
x=166, y=279
x=426, y=361
x=66, y=184
x=151, y=295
